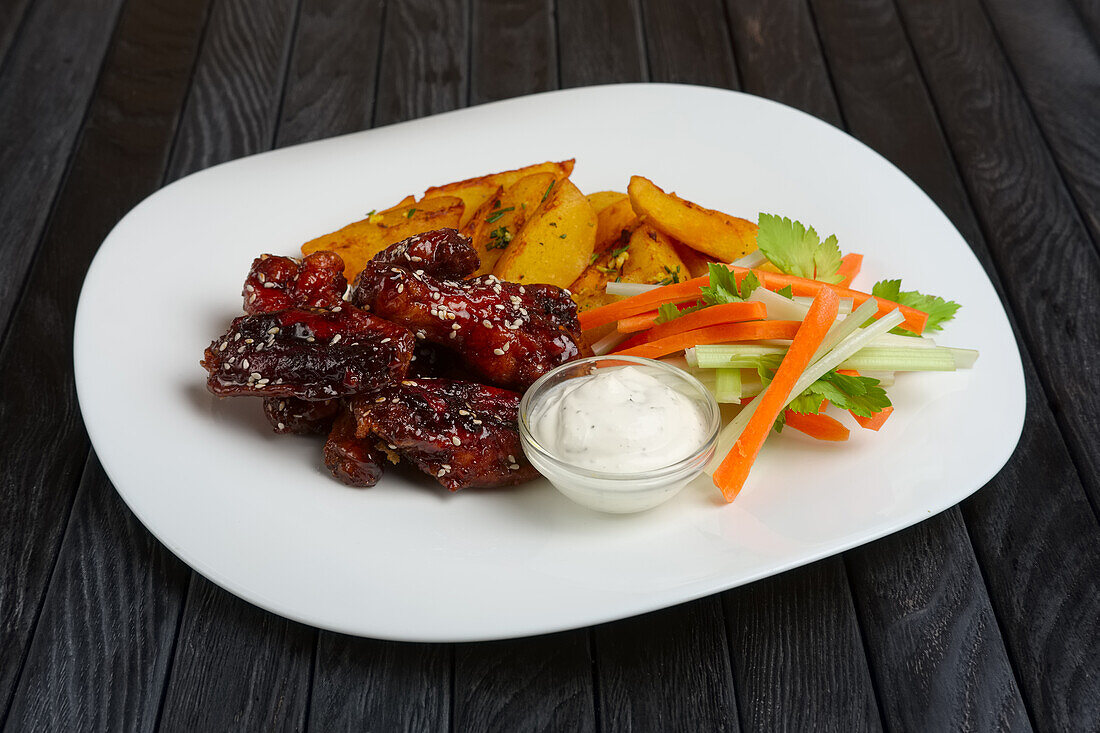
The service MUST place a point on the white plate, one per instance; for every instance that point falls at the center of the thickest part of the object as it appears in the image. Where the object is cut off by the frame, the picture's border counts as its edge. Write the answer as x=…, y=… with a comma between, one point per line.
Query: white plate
x=257, y=513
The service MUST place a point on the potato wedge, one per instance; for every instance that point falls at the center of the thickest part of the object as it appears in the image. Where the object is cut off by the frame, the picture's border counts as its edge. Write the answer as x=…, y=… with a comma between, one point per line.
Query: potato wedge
x=719, y=235
x=475, y=191
x=652, y=258
x=602, y=199
x=473, y=196
x=555, y=243
x=359, y=241
x=616, y=222
x=697, y=264
x=502, y=217
x=648, y=257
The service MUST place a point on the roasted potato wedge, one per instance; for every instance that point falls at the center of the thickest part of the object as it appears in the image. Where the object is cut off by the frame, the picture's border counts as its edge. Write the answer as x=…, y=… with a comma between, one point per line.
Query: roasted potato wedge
x=616, y=222
x=719, y=235
x=556, y=241
x=475, y=191
x=697, y=264
x=502, y=217
x=647, y=257
x=651, y=258
x=473, y=197
x=602, y=199
x=359, y=241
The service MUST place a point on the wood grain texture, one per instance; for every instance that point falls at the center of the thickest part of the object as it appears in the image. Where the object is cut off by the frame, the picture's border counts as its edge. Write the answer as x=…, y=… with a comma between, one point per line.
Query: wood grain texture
x=102, y=644
x=1011, y=519
x=12, y=14
x=513, y=49
x=667, y=670
x=330, y=85
x=600, y=42
x=1089, y=12
x=364, y=684
x=45, y=84
x=934, y=645
x=237, y=85
x=236, y=667
x=43, y=446
x=791, y=641
x=538, y=684
x=1058, y=66
x=425, y=60
x=689, y=47
x=779, y=56
x=1024, y=209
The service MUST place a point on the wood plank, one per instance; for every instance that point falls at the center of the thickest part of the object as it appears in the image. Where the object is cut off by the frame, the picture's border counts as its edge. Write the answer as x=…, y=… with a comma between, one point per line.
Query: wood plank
x=101, y=648
x=43, y=99
x=43, y=445
x=600, y=42
x=667, y=670
x=330, y=86
x=236, y=666
x=1058, y=66
x=689, y=47
x=424, y=64
x=769, y=37
x=513, y=49
x=1032, y=528
x=12, y=14
x=392, y=686
x=542, y=683
x=790, y=639
x=233, y=107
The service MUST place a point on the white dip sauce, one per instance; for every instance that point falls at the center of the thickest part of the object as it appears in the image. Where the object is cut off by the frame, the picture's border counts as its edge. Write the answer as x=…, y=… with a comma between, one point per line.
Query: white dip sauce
x=618, y=420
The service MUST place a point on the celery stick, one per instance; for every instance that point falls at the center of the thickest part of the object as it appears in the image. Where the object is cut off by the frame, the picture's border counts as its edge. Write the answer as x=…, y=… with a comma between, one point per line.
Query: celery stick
x=752, y=259
x=727, y=385
x=964, y=358
x=779, y=308
x=608, y=343
x=874, y=358
x=805, y=300
x=842, y=351
x=840, y=330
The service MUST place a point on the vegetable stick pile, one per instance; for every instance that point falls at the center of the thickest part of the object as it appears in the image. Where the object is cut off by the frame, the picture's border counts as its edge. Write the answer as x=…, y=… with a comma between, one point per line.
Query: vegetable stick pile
x=782, y=334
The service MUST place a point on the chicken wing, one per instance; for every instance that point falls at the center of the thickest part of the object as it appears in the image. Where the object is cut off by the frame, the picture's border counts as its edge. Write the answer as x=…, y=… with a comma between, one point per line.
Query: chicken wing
x=309, y=353
x=463, y=434
x=275, y=283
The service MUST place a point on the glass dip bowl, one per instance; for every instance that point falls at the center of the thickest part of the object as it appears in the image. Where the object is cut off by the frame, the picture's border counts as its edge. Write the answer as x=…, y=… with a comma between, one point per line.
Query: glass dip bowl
x=619, y=492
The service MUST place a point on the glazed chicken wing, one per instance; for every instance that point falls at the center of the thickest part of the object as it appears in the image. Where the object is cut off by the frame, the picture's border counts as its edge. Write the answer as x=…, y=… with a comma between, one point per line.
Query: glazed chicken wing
x=506, y=334
x=355, y=461
x=298, y=416
x=463, y=434
x=309, y=353
x=276, y=283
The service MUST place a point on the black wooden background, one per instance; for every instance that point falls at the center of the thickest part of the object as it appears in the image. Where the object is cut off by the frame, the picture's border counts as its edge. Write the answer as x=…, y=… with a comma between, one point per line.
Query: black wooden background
x=984, y=617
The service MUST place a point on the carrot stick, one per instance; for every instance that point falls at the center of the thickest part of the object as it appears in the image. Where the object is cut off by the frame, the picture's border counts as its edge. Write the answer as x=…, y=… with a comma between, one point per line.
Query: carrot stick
x=635, y=304
x=819, y=425
x=734, y=469
x=914, y=319
x=749, y=331
x=713, y=316
x=876, y=420
x=633, y=324
x=849, y=268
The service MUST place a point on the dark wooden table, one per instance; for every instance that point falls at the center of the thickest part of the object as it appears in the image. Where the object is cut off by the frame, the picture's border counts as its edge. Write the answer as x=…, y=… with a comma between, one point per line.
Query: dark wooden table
x=984, y=617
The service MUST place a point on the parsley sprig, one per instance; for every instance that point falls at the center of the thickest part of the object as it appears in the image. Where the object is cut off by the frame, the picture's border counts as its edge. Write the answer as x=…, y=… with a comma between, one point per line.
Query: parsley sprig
x=798, y=250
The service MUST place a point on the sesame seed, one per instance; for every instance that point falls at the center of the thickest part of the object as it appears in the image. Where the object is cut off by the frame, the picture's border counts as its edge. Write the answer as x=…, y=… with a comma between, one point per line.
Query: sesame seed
x=310, y=339
x=511, y=459
x=237, y=337
x=269, y=284
x=253, y=375
x=335, y=339
x=455, y=326
x=222, y=345
x=273, y=330
x=261, y=277
x=262, y=382
x=485, y=322
x=281, y=426
x=498, y=352
x=385, y=340
x=337, y=309
x=249, y=341
x=453, y=334
x=244, y=363
x=514, y=467
x=400, y=287
x=456, y=441
x=463, y=412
